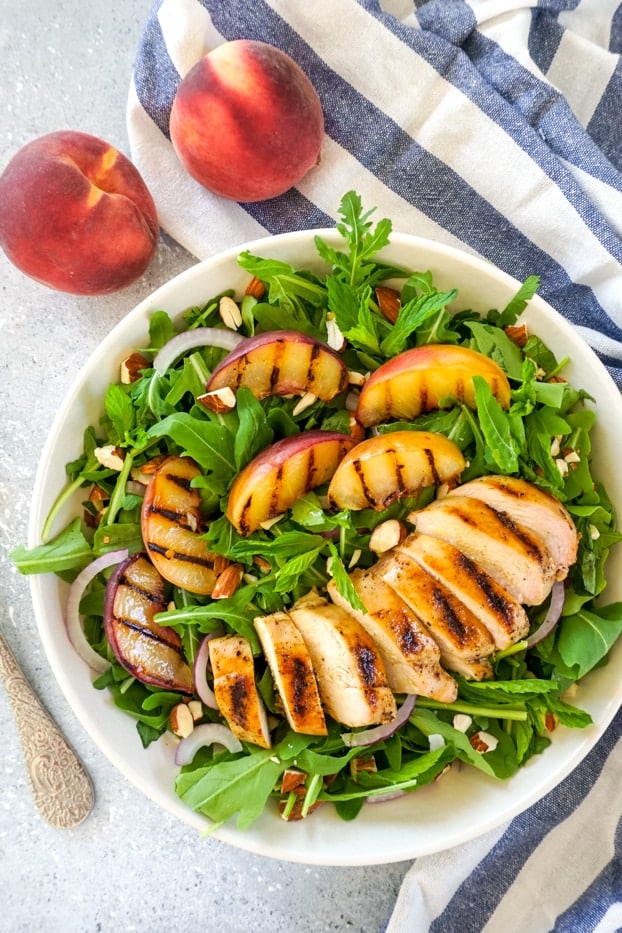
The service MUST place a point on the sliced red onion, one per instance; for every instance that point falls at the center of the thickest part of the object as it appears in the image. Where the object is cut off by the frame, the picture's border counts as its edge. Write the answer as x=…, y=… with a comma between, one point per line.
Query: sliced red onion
x=208, y=733
x=201, y=663
x=384, y=731
x=72, y=608
x=190, y=340
x=552, y=616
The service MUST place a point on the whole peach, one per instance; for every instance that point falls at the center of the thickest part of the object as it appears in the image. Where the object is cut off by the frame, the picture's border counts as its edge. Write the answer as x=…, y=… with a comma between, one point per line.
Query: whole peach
x=76, y=214
x=246, y=121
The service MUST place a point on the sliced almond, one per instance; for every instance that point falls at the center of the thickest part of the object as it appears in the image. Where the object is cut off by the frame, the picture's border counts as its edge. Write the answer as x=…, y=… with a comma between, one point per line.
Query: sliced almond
x=306, y=401
x=230, y=314
x=181, y=720
x=131, y=367
x=517, y=333
x=255, y=288
x=228, y=581
x=387, y=535
x=293, y=780
x=110, y=457
x=220, y=401
x=389, y=302
x=196, y=710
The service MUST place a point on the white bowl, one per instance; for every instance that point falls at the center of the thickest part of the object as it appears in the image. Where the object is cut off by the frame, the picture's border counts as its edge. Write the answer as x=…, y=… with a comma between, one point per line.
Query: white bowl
x=464, y=804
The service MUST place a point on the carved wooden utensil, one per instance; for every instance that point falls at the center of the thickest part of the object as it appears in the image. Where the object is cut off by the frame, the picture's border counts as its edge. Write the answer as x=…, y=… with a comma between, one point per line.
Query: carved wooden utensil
x=62, y=788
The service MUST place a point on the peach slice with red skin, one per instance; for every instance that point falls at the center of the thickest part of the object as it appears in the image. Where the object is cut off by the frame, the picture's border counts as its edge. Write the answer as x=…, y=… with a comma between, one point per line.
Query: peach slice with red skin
x=172, y=526
x=277, y=477
x=381, y=469
x=425, y=378
x=282, y=363
x=150, y=652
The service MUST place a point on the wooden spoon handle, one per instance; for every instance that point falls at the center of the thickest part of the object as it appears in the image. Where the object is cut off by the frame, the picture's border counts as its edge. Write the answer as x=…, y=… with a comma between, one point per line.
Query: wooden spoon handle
x=61, y=787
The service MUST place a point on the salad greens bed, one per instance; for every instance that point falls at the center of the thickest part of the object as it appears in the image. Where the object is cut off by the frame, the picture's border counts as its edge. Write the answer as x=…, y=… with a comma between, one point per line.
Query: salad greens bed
x=544, y=438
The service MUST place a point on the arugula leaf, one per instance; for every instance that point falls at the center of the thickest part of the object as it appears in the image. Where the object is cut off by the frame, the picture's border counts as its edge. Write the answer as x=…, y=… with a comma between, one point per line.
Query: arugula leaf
x=516, y=305
x=210, y=444
x=586, y=637
x=232, y=787
x=69, y=550
x=254, y=432
x=502, y=447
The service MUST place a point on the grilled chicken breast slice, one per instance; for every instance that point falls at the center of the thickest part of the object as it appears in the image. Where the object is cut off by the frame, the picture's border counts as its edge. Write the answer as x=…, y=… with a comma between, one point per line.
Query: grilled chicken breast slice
x=533, y=507
x=464, y=641
x=503, y=616
x=235, y=689
x=511, y=553
x=350, y=674
x=292, y=671
x=411, y=656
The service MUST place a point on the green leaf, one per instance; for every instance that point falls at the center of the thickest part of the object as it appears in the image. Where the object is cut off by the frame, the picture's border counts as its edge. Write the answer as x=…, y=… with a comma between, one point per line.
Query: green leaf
x=342, y=581
x=254, y=432
x=240, y=787
x=120, y=410
x=519, y=302
x=587, y=637
x=501, y=445
x=210, y=444
x=69, y=550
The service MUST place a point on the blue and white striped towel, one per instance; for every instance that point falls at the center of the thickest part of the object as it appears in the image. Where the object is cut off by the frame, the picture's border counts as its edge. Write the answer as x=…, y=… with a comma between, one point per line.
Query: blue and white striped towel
x=494, y=126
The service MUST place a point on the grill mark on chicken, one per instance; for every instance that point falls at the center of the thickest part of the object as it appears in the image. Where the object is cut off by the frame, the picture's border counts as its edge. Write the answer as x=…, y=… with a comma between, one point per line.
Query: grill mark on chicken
x=531, y=545
x=239, y=700
x=443, y=605
x=494, y=599
x=298, y=673
x=366, y=663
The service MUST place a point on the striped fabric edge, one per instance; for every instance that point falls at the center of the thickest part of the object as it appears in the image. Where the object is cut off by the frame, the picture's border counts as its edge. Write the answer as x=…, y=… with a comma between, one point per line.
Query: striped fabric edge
x=485, y=230
x=517, y=884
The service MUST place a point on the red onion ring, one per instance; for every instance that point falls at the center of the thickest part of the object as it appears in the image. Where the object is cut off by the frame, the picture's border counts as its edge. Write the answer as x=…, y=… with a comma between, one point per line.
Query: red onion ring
x=73, y=621
x=208, y=733
x=190, y=340
x=552, y=616
x=378, y=733
x=201, y=663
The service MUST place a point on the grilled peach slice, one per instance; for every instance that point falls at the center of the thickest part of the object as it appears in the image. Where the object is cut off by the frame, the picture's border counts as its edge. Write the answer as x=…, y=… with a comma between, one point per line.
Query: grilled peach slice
x=381, y=469
x=150, y=652
x=282, y=363
x=172, y=525
x=277, y=477
x=425, y=378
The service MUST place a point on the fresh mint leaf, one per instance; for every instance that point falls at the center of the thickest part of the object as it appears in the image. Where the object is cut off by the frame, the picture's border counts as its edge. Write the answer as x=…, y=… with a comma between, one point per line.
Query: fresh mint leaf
x=412, y=316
